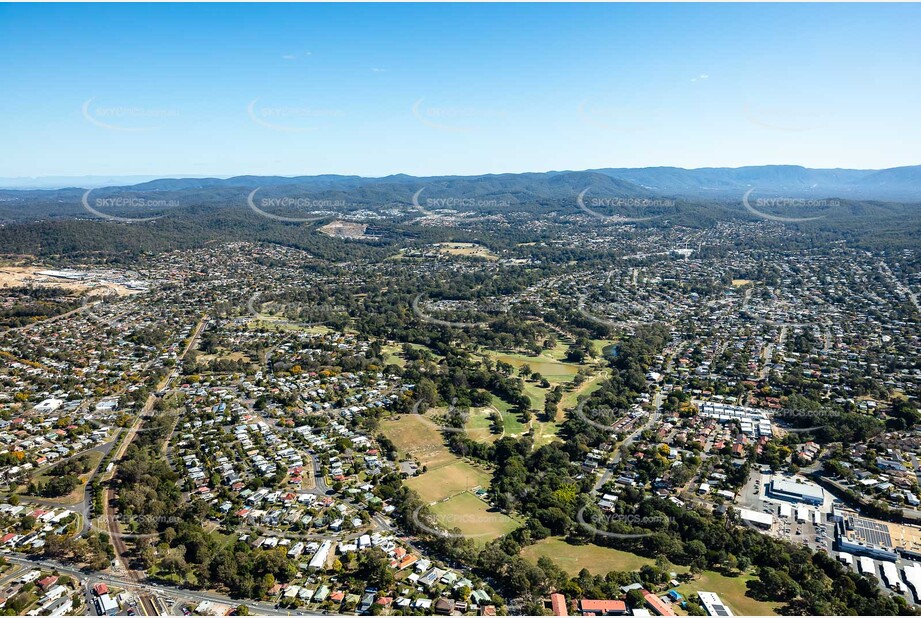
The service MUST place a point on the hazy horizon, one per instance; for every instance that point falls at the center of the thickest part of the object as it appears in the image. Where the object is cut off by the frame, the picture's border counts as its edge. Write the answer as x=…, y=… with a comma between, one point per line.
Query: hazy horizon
x=227, y=90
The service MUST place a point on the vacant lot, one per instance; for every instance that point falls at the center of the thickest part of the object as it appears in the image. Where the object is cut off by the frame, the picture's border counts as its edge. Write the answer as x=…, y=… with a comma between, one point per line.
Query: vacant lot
x=448, y=480
x=474, y=518
x=344, y=229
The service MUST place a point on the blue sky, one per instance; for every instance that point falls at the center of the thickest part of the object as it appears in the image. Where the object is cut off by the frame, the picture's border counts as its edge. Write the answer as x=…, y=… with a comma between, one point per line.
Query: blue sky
x=454, y=89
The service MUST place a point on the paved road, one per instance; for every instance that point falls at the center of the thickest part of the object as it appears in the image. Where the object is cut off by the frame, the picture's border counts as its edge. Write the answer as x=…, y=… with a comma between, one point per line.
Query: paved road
x=170, y=592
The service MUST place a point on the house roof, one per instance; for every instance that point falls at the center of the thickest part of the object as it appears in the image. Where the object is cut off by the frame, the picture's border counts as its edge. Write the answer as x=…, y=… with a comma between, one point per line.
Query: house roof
x=599, y=606
x=558, y=604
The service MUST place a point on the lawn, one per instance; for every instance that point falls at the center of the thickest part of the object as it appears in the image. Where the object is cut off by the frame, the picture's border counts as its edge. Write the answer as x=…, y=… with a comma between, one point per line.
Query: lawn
x=466, y=249
x=473, y=517
x=281, y=324
x=600, y=560
x=732, y=591
x=513, y=425
x=393, y=355
x=77, y=494
x=556, y=371
x=570, y=398
x=598, y=345
x=418, y=437
x=479, y=423
x=448, y=480
x=573, y=558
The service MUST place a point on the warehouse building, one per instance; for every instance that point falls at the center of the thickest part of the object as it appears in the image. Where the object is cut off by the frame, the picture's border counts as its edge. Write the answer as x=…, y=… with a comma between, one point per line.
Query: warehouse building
x=784, y=489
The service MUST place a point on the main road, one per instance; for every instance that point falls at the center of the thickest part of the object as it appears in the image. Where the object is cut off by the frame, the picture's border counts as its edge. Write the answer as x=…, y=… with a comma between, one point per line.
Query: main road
x=150, y=589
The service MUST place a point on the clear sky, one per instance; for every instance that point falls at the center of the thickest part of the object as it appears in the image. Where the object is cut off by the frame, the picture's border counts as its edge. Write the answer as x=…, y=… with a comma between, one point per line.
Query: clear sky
x=454, y=89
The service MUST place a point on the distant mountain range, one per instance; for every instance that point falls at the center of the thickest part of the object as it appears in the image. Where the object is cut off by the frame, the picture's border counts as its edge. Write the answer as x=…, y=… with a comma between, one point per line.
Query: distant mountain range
x=894, y=184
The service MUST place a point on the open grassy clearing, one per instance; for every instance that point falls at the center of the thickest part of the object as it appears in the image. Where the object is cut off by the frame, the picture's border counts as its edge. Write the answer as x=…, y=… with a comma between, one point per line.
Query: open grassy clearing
x=417, y=436
x=448, y=480
x=549, y=365
x=272, y=323
x=600, y=560
x=446, y=474
x=598, y=345
x=466, y=249
x=573, y=558
x=479, y=425
x=543, y=433
x=556, y=371
x=732, y=591
x=77, y=494
x=512, y=424
x=570, y=398
x=233, y=356
x=393, y=355
x=474, y=518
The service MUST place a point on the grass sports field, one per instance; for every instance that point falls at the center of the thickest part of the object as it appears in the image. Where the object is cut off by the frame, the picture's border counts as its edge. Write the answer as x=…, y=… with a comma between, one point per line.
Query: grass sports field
x=473, y=517
x=466, y=249
x=446, y=474
x=418, y=437
x=448, y=480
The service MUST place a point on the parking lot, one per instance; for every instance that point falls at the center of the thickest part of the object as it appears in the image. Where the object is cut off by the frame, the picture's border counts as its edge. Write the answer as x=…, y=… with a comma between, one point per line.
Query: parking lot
x=816, y=536
x=821, y=536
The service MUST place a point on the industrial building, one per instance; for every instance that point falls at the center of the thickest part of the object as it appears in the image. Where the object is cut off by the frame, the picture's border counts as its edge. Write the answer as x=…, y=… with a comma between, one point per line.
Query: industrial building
x=785, y=489
x=756, y=518
x=912, y=574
